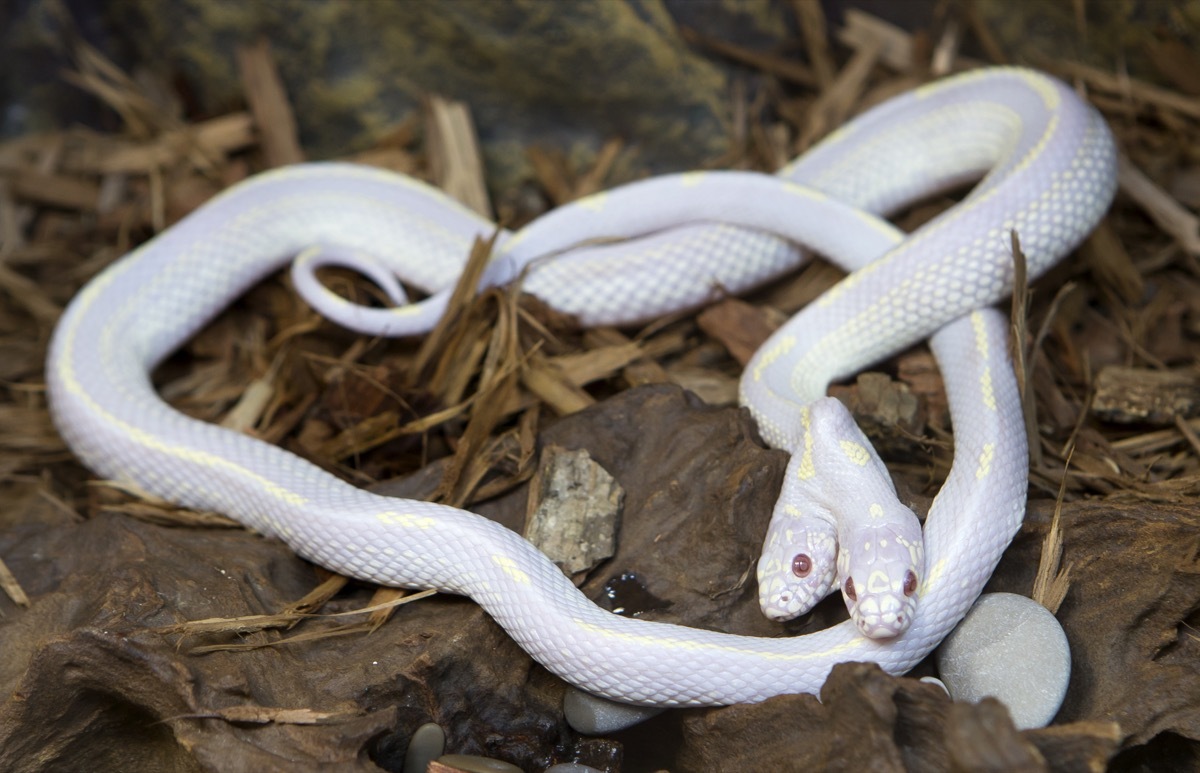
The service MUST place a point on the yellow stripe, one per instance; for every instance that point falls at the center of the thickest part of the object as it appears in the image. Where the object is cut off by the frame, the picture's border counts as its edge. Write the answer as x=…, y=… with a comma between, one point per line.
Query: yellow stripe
x=777, y=350
x=855, y=452
x=137, y=436
x=595, y=202
x=409, y=520
x=806, y=470
x=986, y=389
x=1044, y=88
x=985, y=461
x=510, y=568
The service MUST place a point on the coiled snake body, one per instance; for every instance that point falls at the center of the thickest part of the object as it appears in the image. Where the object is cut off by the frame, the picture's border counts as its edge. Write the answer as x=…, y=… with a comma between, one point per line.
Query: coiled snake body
x=1049, y=165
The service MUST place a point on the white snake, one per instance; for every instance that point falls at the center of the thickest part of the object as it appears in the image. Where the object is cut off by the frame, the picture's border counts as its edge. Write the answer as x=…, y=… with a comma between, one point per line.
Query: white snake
x=1052, y=174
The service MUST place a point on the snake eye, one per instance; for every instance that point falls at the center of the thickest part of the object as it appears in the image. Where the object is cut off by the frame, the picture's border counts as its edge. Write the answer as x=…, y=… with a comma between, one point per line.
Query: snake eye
x=849, y=591
x=801, y=565
x=910, y=583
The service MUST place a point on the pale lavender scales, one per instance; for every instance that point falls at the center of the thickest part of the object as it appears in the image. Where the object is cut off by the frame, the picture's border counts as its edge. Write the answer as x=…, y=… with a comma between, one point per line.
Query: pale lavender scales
x=144, y=306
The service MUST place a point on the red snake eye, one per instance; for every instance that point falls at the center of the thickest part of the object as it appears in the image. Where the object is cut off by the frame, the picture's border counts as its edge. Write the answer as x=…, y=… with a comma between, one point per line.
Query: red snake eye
x=801, y=565
x=910, y=583
x=850, y=592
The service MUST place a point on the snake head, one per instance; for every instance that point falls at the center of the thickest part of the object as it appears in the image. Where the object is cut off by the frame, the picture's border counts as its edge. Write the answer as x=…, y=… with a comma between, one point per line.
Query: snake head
x=880, y=574
x=797, y=567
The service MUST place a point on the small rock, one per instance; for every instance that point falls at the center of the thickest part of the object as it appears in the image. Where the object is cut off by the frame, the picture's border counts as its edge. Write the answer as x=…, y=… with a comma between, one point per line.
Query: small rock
x=474, y=764
x=575, y=506
x=1012, y=648
x=427, y=744
x=571, y=767
x=591, y=715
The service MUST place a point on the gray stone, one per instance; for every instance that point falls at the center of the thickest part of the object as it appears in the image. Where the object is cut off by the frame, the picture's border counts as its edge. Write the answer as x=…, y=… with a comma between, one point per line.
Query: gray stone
x=571, y=767
x=591, y=715
x=1013, y=649
x=427, y=744
x=476, y=764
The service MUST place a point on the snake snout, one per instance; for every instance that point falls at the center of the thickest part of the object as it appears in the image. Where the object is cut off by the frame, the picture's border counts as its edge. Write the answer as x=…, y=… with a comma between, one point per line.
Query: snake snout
x=797, y=569
x=885, y=614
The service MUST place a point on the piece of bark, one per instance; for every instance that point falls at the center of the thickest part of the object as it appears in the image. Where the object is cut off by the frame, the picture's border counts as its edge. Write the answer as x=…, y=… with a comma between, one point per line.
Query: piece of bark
x=887, y=411
x=697, y=485
x=56, y=190
x=741, y=327
x=868, y=721
x=454, y=154
x=711, y=386
x=1135, y=395
x=110, y=579
x=269, y=104
x=1128, y=614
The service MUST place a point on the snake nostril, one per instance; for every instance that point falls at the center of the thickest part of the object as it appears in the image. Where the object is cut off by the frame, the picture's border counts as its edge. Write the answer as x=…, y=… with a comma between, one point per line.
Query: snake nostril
x=910, y=583
x=801, y=565
x=850, y=592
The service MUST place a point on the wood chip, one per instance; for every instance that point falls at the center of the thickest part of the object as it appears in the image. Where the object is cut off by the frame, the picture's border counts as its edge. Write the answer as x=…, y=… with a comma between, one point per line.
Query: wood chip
x=1128, y=395
x=251, y=406
x=739, y=326
x=27, y=294
x=983, y=33
x=12, y=588
x=216, y=137
x=812, y=22
x=55, y=190
x=884, y=402
x=551, y=385
x=837, y=102
x=1108, y=257
x=644, y=370
x=1126, y=87
x=1053, y=580
x=711, y=386
x=454, y=155
x=781, y=67
x=1158, y=204
x=583, y=368
x=264, y=715
x=864, y=31
x=279, y=137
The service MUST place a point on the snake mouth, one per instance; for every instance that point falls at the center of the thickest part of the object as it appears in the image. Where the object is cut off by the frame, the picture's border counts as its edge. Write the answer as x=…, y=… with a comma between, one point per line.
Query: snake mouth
x=780, y=616
x=782, y=605
x=883, y=617
x=880, y=631
x=883, y=631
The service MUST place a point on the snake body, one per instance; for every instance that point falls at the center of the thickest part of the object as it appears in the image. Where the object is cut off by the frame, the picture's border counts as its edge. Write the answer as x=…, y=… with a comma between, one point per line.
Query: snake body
x=1047, y=165
x=137, y=311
